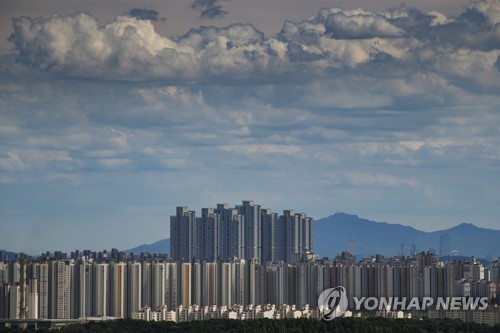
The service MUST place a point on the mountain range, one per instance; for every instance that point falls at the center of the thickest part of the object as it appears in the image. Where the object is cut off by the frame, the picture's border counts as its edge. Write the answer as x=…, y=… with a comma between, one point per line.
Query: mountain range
x=341, y=231
x=161, y=246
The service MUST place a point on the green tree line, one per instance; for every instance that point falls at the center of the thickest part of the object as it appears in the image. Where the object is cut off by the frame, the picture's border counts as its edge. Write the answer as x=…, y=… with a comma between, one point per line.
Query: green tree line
x=347, y=325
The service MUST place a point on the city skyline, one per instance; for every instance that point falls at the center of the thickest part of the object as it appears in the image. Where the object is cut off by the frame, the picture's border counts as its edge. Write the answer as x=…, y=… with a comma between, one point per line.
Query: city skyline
x=112, y=116
x=120, y=286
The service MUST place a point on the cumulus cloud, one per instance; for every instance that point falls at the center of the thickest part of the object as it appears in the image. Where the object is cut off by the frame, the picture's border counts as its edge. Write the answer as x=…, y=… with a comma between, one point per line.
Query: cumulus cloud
x=210, y=9
x=341, y=26
x=396, y=42
x=318, y=80
x=489, y=9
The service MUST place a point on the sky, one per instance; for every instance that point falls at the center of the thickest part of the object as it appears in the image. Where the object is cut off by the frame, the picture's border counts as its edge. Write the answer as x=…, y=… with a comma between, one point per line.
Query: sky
x=112, y=113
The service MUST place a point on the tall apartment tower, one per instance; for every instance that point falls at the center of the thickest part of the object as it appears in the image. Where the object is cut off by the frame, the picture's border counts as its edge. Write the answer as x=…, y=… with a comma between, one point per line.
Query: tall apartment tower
x=240, y=281
x=185, y=285
x=183, y=234
x=41, y=273
x=81, y=289
x=196, y=282
x=14, y=301
x=146, y=284
x=172, y=284
x=273, y=237
x=252, y=218
x=209, y=282
x=208, y=228
x=59, y=290
x=134, y=287
x=298, y=235
x=100, y=290
x=118, y=290
x=225, y=286
x=158, y=284
x=32, y=299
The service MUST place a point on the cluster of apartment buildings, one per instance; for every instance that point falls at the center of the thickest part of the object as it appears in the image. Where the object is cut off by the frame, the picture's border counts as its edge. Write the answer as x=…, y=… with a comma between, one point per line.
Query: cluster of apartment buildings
x=82, y=287
x=246, y=231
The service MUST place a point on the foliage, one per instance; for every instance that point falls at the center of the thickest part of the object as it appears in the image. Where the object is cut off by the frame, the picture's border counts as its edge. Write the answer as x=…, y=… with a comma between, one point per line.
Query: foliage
x=358, y=325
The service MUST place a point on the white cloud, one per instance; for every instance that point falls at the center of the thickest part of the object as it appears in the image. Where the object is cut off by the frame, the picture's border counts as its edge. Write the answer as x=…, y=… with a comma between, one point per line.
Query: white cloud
x=489, y=8
x=266, y=148
x=334, y=39
x=342, y=26
x=118, y=139
x=113, y=163
x=12, y=162
x=36, y=160
x=438, y=18
x=370, y=179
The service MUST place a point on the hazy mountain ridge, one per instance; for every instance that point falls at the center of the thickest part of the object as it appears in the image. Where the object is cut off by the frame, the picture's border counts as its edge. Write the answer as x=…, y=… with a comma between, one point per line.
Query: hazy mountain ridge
x=161, y=246
x=336, y=233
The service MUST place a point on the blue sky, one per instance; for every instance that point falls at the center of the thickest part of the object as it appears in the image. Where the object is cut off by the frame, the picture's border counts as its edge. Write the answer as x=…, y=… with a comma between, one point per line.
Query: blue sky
x=113, y=115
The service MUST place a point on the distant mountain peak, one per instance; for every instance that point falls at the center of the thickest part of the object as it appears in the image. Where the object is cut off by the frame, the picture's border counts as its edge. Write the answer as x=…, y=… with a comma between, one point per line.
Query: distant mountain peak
x=467, y=225
x=161, y=246
x=343, y=231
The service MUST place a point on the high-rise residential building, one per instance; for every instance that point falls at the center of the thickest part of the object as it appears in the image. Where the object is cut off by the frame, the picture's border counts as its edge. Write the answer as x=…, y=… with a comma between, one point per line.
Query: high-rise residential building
x=14, y=302
x=252, y=238
x=158, y=284
x=59, y=287
x=32, y=299
x=239, y=281
x=172, y=284
x=273, y=239
x=225, y=284
x=118, y=290
x=146, y=280
x=81, y=289
x=134, y=287
x=185, y=284
x=100, y=290
x=277, y=283
x=41, y=271
x=315, y=281
x=183, y=234
x=210, y=286
x=196, y=282
x=255, y=282
x=298, y=235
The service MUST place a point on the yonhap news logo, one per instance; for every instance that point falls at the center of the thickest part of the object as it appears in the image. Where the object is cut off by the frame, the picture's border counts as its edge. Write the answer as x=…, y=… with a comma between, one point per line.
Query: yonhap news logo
x=333, y=303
